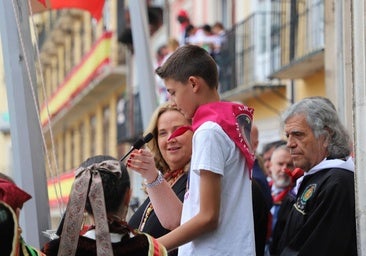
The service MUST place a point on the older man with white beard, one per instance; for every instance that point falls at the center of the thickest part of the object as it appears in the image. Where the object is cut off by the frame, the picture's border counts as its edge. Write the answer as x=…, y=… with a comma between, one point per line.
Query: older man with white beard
x=281, y=182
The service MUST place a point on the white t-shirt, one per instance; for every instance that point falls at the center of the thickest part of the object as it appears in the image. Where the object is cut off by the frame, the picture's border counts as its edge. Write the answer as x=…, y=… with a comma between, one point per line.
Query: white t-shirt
x=213, y=150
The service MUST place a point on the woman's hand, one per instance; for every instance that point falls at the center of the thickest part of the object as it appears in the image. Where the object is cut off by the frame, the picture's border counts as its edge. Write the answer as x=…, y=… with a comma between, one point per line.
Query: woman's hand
x=142, y=161
x=167, y=205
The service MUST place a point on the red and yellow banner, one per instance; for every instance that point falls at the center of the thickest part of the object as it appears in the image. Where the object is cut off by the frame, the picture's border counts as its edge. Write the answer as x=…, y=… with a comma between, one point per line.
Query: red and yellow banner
x=79, y=77
x=59, y=189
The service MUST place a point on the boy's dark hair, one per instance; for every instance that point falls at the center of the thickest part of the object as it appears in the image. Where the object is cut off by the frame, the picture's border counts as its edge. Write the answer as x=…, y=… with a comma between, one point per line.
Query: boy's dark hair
x=190, y=60
x=114, y=188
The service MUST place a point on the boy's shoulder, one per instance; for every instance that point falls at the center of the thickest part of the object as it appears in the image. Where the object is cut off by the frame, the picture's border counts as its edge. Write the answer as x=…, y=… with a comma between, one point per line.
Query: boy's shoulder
x=234, y=118
x=221, y=110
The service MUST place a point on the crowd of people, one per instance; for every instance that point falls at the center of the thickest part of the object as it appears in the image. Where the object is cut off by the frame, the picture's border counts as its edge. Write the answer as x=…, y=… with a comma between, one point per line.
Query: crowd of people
x=208, y=36
x=209, y=192
x=211, y=37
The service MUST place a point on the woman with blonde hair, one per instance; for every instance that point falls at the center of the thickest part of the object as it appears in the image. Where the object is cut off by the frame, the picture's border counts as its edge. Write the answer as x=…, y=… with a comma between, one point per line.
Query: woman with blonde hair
x=172, y=158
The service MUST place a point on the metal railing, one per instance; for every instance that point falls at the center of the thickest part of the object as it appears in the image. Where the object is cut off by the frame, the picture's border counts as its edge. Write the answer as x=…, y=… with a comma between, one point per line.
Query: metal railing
x=54, y=15
x=297, y=33
x=265, y=42
x=244, y=58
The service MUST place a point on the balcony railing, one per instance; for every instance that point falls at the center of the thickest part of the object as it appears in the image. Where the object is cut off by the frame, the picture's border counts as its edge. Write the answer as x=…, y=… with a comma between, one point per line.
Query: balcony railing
x=297, y=34
x=244, y=59
x=79, y=78
x=45, y=29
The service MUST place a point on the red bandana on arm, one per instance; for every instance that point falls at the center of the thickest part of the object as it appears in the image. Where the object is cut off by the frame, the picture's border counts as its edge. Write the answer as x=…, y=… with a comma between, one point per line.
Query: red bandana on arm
x=235, y=119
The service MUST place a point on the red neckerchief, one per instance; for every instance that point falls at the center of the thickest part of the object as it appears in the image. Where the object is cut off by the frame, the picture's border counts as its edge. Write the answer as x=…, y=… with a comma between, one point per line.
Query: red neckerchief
x=294, y=175
x=179, y=131
x=233, y=118
x=277, y=199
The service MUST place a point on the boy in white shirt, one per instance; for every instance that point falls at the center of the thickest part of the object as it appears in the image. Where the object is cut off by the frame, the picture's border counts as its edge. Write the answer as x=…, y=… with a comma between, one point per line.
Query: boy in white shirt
x=217, y=217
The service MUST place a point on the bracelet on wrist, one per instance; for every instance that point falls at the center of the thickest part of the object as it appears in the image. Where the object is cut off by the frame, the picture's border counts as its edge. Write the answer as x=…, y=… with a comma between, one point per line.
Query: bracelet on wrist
x=159, y=179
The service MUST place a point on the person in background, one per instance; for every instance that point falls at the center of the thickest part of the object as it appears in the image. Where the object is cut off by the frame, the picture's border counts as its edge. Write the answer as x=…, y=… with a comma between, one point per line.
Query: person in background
x=202, y=36
x=321, y=220
x=184, y=21
x=220, y=38
x=161, y=53
x=172, y=158
x=258, y=173
x=262, y=199
x=217, y=215
x=260, y=218
x=208, y=39
x=192, y=33
x=281, y=182
x=12, y=199
x=267, y=153
x=172, y=45
x=101, y=188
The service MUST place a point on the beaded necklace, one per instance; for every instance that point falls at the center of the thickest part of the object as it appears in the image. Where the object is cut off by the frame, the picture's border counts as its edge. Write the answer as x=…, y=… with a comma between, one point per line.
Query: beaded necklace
x=171, y=178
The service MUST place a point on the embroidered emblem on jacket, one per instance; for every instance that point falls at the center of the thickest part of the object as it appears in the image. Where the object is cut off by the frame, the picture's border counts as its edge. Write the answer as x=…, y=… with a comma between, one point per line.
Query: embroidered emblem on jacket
x=305, y=196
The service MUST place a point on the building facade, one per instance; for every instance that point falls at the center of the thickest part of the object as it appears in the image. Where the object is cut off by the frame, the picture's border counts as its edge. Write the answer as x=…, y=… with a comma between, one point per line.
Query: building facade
x=81, y=82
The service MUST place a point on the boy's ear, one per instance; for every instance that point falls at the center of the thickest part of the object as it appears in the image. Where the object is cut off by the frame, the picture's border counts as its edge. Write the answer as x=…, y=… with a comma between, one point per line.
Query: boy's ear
x=194, y=83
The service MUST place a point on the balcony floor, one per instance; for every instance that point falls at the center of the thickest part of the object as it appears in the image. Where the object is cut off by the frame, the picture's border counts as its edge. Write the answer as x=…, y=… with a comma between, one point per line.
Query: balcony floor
x=302, y=67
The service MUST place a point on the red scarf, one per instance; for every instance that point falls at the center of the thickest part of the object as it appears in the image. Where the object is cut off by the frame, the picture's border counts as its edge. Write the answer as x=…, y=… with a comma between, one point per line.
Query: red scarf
x=278, y=198
x=294, y=175
x=236, y=121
